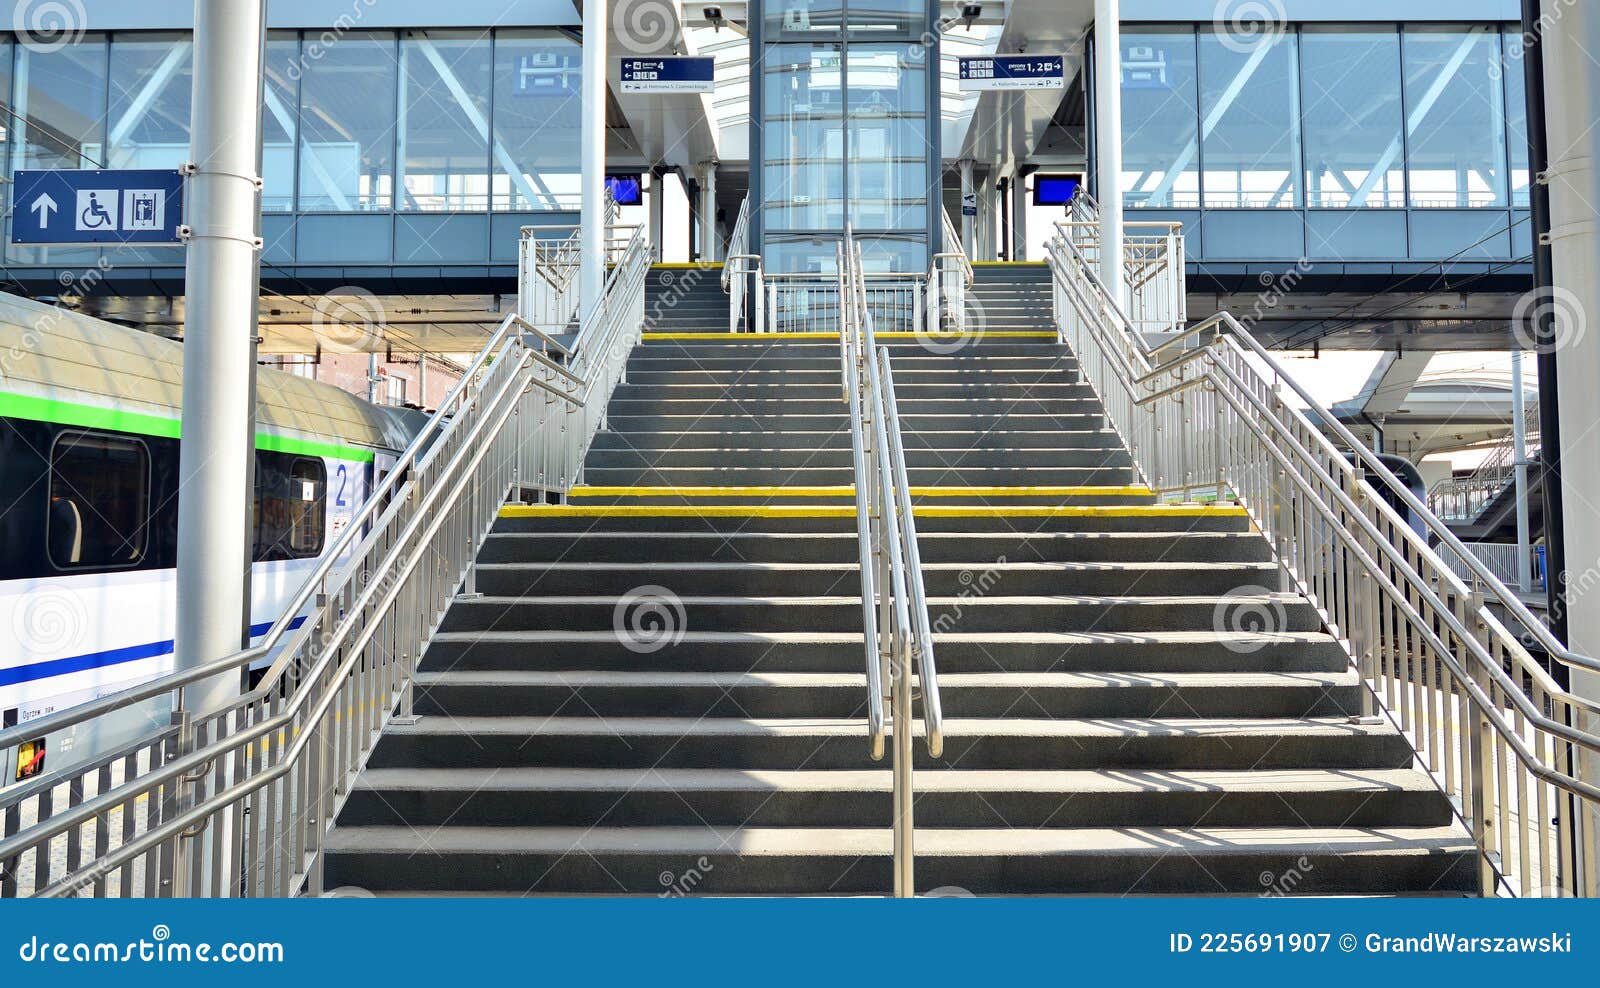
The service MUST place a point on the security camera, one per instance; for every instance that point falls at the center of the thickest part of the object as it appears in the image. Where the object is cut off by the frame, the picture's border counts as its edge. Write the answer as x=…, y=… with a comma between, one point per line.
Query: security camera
x=971, y=12
x=714, y=15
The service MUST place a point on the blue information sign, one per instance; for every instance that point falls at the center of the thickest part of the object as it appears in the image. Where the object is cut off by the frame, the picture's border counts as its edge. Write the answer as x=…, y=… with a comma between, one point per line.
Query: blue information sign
x=669, y=74
x=131, y=206
x=1013, y=72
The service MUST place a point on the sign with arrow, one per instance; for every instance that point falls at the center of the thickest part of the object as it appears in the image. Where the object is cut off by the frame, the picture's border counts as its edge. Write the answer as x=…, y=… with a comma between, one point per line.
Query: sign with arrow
x=126, y=206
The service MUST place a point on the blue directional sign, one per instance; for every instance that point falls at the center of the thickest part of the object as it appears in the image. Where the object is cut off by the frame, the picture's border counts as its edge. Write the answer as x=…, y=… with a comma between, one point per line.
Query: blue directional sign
x=669, y=74
x=1013, y=72
x=129, y=206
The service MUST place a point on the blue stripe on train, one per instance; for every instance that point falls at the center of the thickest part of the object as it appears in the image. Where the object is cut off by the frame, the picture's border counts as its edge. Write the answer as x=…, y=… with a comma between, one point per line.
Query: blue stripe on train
x=109, y=657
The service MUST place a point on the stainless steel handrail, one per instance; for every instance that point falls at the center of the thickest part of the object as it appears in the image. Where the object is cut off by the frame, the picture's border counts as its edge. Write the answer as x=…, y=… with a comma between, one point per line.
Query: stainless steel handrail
x=1500, y=735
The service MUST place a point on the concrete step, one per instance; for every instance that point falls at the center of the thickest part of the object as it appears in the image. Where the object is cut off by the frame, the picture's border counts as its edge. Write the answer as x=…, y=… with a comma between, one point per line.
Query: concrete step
x=515, y=541
x=781, y=358
x=742, y=418
x=942, y=476
x=840, y=438
x=773, y=452
x=940, y=579
x=610, y=694
x=1023, y=741
x=787, y=377
x=840, y=861
x=1278, y=612
x=744, y=388
x=791, y=651
x=1068, y=409
x=634, y=797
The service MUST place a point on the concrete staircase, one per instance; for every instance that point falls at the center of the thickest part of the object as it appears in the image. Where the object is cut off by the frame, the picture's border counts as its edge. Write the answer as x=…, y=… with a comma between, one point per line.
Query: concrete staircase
x=661, y=689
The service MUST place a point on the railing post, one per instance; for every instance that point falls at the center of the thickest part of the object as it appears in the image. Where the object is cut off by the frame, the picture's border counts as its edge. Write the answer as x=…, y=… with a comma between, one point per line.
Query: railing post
x=1480, y=768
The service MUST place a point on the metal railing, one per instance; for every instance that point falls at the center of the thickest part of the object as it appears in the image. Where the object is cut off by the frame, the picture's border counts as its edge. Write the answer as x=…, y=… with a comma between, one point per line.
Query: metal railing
x=1204, y=414
x=548, y=269
x=743, y=279
x=949, y=278
x=1462, y=499
x=1154, y=264
x=238, y=801
x=899, y=636
x=1500, y=559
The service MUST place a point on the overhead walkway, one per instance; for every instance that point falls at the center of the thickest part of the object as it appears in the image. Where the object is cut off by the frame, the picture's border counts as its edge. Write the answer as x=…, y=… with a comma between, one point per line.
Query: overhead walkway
x=1116, y=619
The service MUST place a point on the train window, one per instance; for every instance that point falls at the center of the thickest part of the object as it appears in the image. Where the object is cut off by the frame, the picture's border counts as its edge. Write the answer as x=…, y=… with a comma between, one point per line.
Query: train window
x=291, y=495
x=99, y=501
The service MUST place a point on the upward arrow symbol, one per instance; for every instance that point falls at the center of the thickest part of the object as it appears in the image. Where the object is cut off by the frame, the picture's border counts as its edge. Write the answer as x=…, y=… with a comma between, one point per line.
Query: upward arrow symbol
x=44, y=206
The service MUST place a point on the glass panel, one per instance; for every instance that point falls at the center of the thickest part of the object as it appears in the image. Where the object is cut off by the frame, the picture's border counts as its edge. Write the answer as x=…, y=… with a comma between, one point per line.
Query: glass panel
x=1160, y=119
x=538, y=87
x=1351, y=113
x=278, y=123
x=5, y=120
x=1250, y=121
x=1516, y=116
x=347, y=115
x=803, y=138
x=1456, y=111
x=794, y=20
x=152, y=79
x=99, y=501
x=289, y=506
x=60, y=111
x=444, y=140
x=887, y=18
x=888, y=139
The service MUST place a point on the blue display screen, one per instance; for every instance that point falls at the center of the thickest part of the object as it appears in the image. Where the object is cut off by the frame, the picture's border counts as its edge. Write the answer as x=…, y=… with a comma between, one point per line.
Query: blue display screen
x=1055, y=190
x=628, y=190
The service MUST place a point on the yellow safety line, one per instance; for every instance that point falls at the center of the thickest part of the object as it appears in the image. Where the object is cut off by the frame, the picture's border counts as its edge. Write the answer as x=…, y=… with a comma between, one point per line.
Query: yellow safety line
x=998, y=264
x=760, y=337
x=849, y=511
x=849, y=491
x=687, y=265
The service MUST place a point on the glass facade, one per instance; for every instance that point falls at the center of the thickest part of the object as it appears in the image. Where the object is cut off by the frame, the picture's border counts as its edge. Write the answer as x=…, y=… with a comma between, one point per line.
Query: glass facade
x=411, y=122
x=1322, y=117
x=843, y=116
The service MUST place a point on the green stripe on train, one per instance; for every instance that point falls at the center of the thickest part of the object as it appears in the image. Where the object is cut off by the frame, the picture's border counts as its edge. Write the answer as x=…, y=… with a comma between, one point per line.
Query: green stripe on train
x=115, y=420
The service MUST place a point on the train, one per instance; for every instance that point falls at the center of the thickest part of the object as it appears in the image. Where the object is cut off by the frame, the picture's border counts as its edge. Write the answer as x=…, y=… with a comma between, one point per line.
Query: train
x=89, y=478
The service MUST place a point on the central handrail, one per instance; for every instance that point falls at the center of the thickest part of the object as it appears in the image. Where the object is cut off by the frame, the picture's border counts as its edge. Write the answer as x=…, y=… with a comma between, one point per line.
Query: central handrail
x=898, y=632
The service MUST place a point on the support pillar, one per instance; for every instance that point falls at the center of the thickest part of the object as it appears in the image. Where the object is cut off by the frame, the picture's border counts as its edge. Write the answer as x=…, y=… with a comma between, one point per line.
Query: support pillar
x=1019, y=217
x=592, y=265
x=710, y=240
x=1108, y=140
x=221, y=287
x=969, y=223
x=1572, y=95
x=658, y=214
x=1519, y=448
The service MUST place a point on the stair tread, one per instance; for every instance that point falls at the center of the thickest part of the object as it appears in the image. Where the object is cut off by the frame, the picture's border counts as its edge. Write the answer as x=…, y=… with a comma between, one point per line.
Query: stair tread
x=1110, y=781
x=970, y=601
x=790, y=841
x=850, y=567
x=843, y=680
x=855, y=727
x=995, y=637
